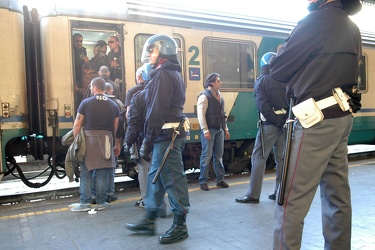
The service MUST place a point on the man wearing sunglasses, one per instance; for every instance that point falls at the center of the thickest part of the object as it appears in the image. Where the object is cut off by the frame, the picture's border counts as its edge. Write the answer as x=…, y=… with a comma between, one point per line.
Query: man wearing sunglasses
x=80, y=57
x=115, y=58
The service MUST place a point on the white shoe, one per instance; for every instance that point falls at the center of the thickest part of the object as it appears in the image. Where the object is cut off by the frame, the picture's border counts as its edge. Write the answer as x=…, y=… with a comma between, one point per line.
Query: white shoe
x=81, y=208
x=102, y=206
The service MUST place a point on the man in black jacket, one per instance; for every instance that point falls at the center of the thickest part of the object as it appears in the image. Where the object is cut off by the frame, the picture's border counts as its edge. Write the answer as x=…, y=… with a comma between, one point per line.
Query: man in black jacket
x=164, y=98
x=272, y=105
x=320, y=54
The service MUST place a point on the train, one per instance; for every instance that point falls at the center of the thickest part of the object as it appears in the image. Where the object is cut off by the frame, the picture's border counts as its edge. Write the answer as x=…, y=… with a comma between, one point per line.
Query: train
x=38, y=100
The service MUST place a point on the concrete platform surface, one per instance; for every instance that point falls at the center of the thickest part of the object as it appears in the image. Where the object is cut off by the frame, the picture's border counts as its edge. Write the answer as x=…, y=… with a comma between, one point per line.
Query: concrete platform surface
x=215, y=220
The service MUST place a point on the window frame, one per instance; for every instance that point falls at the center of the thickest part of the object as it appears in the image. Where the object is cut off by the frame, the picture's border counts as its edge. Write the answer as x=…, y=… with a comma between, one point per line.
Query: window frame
x=364, y=59
x=252, y=47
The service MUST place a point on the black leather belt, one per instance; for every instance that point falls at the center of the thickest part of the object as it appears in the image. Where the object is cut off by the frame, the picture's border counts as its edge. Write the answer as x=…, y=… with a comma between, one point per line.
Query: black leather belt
x=334, y=112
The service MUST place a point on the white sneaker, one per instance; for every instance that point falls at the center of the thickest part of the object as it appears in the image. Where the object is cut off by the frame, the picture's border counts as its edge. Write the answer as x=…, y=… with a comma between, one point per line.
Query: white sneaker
x=74, y=205
x=81, y=208
x=102, y=206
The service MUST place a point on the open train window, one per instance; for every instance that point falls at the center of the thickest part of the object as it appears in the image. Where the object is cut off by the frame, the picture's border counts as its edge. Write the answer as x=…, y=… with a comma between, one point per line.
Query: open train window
x=93, y=34
x=233, y=60
x=140, y=40
x=362, y=78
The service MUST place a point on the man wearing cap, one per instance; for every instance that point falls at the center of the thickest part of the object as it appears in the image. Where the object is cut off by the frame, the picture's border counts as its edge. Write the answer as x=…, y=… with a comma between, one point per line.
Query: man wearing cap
x=101, y=58
x=320, y=56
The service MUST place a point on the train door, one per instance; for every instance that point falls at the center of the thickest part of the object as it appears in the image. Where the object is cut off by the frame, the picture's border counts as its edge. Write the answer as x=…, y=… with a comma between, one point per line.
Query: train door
x=94, y=45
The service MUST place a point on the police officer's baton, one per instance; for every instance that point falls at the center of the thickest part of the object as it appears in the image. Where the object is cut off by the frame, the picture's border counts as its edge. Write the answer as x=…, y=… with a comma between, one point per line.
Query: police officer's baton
x=288, y=141
x=170, y=147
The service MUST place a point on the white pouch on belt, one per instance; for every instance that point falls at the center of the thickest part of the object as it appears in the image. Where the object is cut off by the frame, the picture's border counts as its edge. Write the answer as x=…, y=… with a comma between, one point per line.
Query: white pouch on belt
x=308, y=113
x=107, y=147
x=186, y=125
x=341, y=98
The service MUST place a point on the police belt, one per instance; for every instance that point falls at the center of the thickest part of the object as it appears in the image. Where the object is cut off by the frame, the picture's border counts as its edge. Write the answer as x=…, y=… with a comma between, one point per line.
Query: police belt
x=309, y=112
x=277, y=112
x=169, y=125
x=175, y=125
x=326, y=102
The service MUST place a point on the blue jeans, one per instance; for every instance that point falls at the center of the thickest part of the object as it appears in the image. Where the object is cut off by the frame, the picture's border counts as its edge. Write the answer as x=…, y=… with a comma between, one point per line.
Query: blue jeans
x=87, y=181
x=172, y=179
x=110, y=183
x=214, y=149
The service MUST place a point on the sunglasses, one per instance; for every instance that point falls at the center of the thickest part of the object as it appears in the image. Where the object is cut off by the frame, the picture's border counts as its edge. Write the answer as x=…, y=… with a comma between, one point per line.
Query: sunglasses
x=111, y=41
x=78, y=41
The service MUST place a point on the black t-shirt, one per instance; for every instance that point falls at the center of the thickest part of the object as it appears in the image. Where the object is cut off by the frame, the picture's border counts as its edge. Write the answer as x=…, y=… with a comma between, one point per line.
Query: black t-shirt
x=99, y=111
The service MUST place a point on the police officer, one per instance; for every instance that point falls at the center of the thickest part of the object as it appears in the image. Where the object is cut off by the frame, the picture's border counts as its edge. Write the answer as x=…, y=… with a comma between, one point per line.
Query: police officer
x=320, y=54
x=164, y=98
x=272, y=104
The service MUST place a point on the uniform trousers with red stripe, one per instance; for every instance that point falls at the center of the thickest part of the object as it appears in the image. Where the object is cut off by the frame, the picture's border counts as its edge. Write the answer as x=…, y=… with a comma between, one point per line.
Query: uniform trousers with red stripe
x=318, y=158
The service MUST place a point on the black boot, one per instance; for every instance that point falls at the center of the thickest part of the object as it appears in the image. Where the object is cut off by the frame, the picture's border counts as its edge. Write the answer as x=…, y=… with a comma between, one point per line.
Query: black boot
x=177, y=232
x=145, y=226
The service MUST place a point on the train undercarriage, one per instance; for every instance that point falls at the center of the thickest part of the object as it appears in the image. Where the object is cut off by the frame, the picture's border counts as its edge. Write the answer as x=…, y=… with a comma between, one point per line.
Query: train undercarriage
x=49, y=154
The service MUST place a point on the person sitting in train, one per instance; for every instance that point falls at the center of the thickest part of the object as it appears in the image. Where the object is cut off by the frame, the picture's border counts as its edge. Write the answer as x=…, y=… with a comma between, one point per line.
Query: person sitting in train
x=115, y=58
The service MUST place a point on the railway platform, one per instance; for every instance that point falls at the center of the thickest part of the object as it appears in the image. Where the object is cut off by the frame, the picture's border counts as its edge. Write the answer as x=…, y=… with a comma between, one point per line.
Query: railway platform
x=215, y=220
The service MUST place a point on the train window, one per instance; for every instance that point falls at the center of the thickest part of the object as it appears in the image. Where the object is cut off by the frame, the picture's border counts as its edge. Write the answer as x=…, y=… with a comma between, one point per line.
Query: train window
x=181, y=53
x=232, y=59
x=140, y=40
x=362, y=78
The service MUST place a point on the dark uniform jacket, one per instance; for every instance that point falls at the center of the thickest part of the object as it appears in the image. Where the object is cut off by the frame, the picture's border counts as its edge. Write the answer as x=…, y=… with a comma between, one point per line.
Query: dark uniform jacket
x=270, y=95
x=165, y=98
x=321, y=53
x=136, y=119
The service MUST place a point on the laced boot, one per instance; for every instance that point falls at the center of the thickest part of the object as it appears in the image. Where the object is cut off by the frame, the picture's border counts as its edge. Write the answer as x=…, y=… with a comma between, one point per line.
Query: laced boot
x=144, y=226
x=177, y=232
